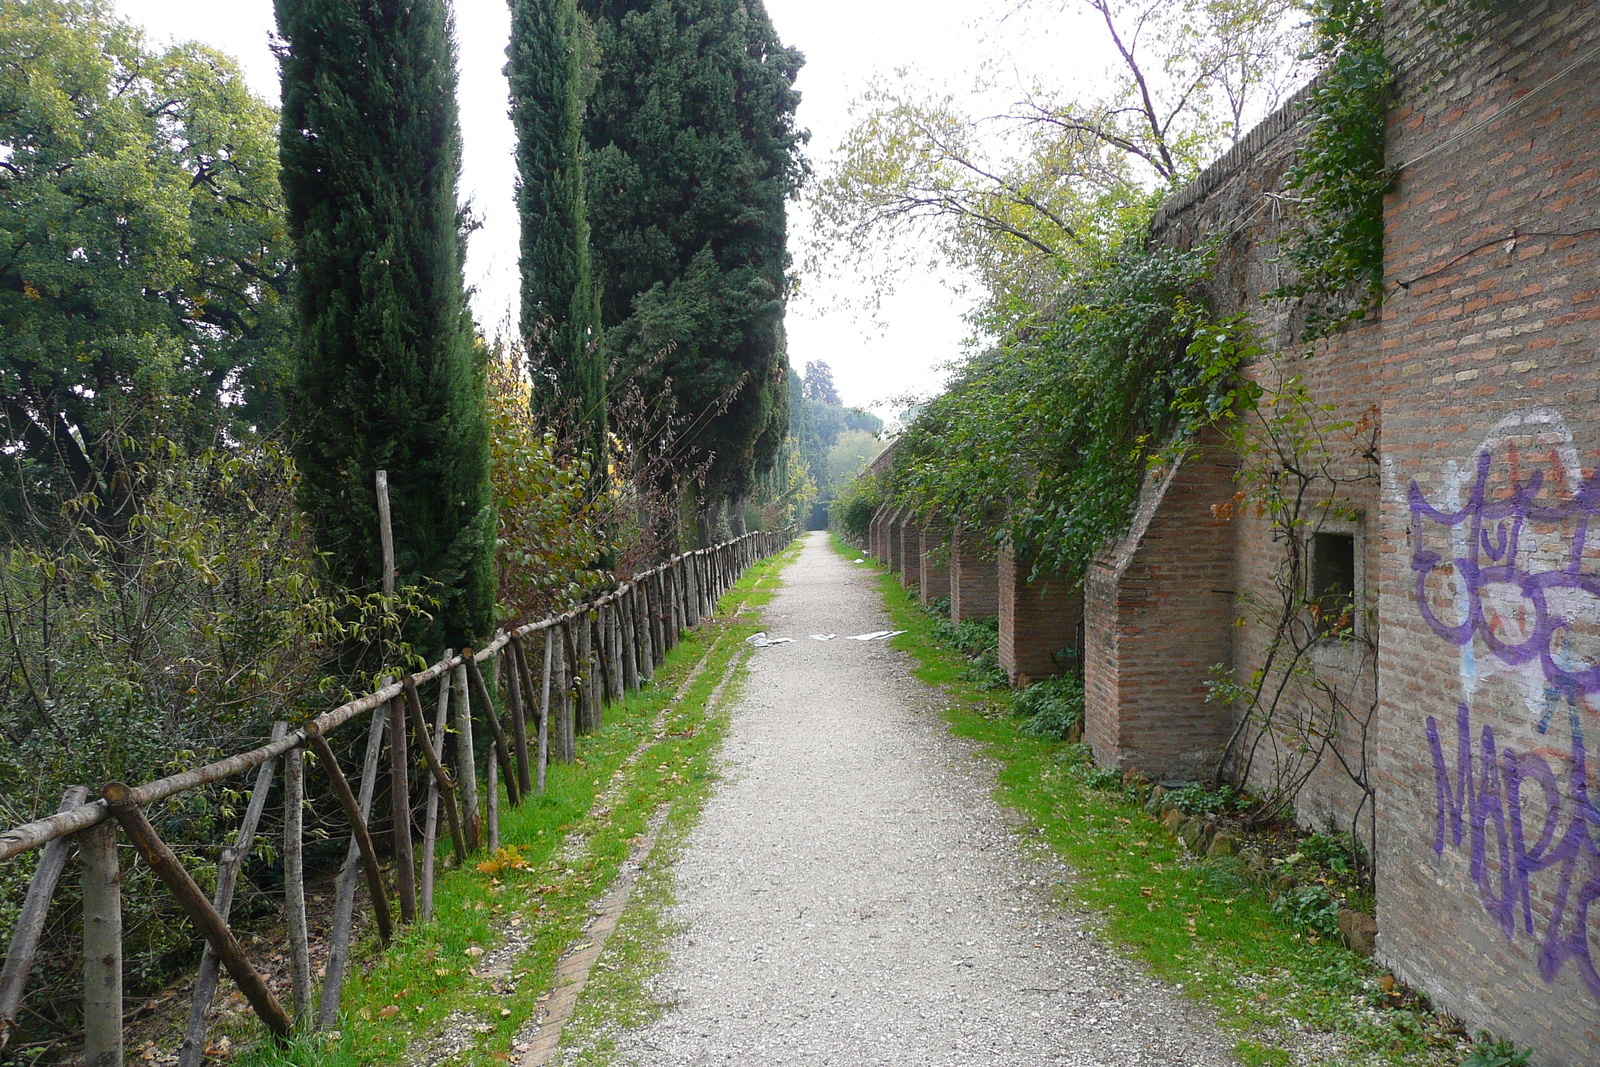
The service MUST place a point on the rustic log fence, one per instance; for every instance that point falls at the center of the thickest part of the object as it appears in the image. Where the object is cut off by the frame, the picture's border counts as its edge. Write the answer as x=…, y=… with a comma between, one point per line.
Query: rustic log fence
x=556, y=676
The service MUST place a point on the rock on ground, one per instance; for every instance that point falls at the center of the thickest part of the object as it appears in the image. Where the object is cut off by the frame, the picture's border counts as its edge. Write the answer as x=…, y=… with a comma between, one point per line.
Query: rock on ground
x=854, y=896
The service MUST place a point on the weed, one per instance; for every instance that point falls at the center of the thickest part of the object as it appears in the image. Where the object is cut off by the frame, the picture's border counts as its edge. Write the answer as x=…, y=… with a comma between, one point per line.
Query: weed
x=1309, y=905
x=1051, y=707
x=1487, y=1052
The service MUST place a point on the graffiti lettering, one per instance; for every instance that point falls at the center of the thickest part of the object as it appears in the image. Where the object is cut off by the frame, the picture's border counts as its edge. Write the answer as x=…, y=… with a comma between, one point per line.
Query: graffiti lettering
x=1493, y=806
x=1519, y=566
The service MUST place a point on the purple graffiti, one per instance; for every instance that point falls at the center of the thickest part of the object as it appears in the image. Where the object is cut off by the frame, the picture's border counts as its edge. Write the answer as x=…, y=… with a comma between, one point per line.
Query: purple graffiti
x=1499, y=559
x=1486, y=804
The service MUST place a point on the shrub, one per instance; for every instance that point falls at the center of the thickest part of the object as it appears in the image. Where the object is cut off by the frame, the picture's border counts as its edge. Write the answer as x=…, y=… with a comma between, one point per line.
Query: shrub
x=1050, y=707
x=141, y=648
x=853, y=506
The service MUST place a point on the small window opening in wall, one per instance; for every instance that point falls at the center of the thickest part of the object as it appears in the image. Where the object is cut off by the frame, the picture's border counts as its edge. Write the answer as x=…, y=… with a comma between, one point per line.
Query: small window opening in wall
x=1333, y=582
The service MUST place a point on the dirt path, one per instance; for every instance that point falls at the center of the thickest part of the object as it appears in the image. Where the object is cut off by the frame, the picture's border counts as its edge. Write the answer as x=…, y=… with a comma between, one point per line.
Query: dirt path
x=853, y=896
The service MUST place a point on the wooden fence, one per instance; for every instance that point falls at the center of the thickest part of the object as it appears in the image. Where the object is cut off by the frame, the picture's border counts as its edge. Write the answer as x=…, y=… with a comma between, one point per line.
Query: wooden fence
x=557, y=676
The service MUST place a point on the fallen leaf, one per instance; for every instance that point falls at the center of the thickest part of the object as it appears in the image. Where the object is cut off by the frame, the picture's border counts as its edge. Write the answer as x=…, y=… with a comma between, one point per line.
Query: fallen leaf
x=388, y=1011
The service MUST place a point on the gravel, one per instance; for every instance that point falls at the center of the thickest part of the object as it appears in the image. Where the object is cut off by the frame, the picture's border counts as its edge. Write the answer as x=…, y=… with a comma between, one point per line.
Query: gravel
x=853, y=895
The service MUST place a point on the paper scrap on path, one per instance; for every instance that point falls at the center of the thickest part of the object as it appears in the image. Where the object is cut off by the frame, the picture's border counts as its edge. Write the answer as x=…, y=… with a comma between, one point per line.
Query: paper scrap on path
x=823, y=637
x=861, y=559
x=877, y=635
x=761, y=640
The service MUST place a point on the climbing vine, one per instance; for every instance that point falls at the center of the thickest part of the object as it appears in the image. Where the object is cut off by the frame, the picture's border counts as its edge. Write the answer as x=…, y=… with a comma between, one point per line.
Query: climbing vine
x=1056, y=427
x=1312, y=695
x=1340, y=175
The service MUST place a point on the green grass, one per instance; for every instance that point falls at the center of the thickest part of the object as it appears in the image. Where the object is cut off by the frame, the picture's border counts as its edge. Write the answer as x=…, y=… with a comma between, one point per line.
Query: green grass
x=1200, y=925
x=425, y=973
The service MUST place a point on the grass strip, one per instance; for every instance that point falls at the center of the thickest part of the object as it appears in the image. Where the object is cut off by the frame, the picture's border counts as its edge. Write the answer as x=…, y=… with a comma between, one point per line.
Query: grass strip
x=395, y=1008
x=1200, y=925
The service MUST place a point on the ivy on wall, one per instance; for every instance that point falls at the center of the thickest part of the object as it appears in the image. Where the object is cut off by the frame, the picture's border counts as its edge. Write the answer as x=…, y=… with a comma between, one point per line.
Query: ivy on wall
x=1340, y=174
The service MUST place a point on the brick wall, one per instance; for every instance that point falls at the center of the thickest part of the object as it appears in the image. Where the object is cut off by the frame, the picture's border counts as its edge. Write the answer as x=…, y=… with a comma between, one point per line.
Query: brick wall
x=1158, y=612
x=910, y=535
x=1038, y=619
x=934, y=555
x=974, y=577
x=893, y=545
x=1490, y=558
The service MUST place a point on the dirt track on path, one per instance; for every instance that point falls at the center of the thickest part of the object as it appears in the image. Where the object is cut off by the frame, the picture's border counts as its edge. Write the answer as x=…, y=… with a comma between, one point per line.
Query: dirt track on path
x=853, y=896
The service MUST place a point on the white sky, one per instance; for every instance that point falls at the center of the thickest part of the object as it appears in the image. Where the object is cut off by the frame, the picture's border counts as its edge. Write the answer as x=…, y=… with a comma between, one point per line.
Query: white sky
x=846, y=43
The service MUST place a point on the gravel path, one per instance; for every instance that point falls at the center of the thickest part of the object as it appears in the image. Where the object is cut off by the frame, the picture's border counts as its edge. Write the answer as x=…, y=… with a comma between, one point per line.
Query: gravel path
x=854, y=896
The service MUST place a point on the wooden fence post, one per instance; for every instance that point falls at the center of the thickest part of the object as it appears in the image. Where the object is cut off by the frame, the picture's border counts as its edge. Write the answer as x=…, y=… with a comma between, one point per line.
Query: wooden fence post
x=430, y=819
x=691, y=591
x=616, y=681
x=585, y=666
x=294, y=884
x=544, y=712
x=30, y=924
x=492, y=802
x=405, y=868
x=516, y=698
x=466, y=759
x=193, y=1048
x=356, y=856
x=629, y=640
x=165, y=866
x=356, y=811
x=102, y=946
x=430, y=754
x=502, y=743
x=566, y=726
x=641, y=629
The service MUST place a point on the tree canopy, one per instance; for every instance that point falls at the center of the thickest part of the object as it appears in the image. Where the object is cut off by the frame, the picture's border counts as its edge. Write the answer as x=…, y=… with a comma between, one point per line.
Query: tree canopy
x=143, y=257
x=387, y=375
x=547, y=68
x=693, y=155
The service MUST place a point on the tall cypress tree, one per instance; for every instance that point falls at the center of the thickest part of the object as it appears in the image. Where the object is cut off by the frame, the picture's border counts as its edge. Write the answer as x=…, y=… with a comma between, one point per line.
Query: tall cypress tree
x=387, y=372
x=560, y=318
x=693, y=156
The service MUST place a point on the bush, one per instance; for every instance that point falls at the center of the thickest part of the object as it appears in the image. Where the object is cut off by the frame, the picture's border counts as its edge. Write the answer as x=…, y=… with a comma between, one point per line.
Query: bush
x=979, y=641
x=1050, y=707
x=853, y=506
x=151, y=643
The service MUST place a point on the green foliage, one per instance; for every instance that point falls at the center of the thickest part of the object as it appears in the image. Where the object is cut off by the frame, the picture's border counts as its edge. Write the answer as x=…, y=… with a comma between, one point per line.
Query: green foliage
x=387, y=376
x=1487, y=1051
x=1195, y=799
x=1056, y=428
x=854, y=505
x=1312, y=905
x=143, y=257
x=550, y=62
x=547, y=540
x=173, y=644
x=978, y=640
x=1340, y=172
x=693, y=153
x=1050, y=707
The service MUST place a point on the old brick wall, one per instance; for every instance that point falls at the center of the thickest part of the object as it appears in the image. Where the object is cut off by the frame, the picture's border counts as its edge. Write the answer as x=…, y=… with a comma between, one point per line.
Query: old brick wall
x=911, y=549
x=1489, y=874
x=1318, y=693
x=1158, y=612
x=974, y=575
x=934, y=561
x=1038, y=619
x=893, y=543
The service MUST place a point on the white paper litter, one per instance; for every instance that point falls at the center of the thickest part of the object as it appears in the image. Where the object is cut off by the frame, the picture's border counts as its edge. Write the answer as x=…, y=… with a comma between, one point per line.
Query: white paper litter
x=877, y=635
x=861, y=559
x=823, y=637
x=761, y=640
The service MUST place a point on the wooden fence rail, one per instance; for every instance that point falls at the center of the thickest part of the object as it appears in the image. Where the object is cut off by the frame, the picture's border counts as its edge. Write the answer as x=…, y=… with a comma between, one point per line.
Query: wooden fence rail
x=556, y=676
